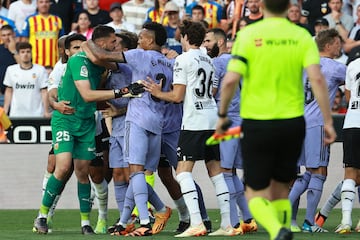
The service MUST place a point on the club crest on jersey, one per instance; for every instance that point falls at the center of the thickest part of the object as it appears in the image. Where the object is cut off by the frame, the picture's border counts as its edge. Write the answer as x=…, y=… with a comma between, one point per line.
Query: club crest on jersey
x=84, y=71
x=56, y=146
x=34, y=75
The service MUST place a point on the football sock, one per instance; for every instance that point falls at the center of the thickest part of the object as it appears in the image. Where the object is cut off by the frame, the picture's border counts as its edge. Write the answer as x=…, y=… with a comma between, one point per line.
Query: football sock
x=266, y=215
x=53, y=188
x=283, y=208
x=182, y=210
x=333, y=199
x=45, y=181
x=190, y=195
x=129, y=205
x=120, y=191
x=314, y=193
x=234, y=218
x=140, y=190
x=347, y=200
x=84, y=190
x=241, y=200
x=223, y=197
x=101, y=194
x=155, y=200
x=201, y=201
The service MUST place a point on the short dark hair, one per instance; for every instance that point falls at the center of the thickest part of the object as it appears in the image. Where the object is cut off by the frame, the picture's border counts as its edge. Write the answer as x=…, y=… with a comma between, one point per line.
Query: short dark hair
x=218, y=32
x=7, y=27
x=198, y=7
x=73, y=37
x=276, y=6
x=129, y=39
x=102, y=31
x=22, y=45
x=159, y=30
x=195, y=32
x=325, y=37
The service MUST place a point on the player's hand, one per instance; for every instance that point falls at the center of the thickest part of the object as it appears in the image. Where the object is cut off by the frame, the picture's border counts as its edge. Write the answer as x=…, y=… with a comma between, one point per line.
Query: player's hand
x=222, y=125
x=64, y=108
x=171, y=54
x=330, y=134
x=152, y=87
x=133, y=90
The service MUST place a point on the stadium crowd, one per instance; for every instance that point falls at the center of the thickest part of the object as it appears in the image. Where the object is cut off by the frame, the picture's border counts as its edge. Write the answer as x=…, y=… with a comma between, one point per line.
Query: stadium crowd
x=109, y=73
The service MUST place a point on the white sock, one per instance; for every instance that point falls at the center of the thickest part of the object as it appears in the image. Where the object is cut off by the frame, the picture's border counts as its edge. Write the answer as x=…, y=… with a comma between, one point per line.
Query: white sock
x=347, y=200
x=334, y=198
x=101, y=194
x=53, y=206
x=45, y=180
x=85, y=223
x=190, y=196
x=223, y=198
x=182, y=210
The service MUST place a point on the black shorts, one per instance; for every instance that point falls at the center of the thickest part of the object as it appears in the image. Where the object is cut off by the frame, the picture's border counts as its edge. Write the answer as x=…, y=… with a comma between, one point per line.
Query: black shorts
x=192, y=146
x=102, y=144
x=351, y=147
x=270, y=150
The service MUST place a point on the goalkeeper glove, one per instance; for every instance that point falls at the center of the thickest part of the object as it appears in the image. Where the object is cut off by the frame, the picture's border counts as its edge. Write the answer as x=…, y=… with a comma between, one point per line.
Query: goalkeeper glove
x=133, y=90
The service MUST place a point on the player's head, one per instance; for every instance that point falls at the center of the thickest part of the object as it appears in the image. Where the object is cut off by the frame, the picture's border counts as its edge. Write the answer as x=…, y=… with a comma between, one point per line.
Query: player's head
x=24, y=51
x=104, y=37
x=152, y=36
x=215, y=40
x=126, y=40
x=276, y=6
x=73, y=44
x=329, y=41
x=192, y=32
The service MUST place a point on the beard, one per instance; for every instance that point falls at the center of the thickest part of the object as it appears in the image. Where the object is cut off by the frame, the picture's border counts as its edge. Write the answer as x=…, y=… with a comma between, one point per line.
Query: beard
x=214, y=52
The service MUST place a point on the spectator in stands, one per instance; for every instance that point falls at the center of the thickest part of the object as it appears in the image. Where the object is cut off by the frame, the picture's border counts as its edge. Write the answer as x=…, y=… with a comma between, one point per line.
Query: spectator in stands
x=97, y=16
x=342, y=22
x=3, y=10
x=197, y=13
x=7, y=53
x=312, y=10
x=83, y=25
x=294, y=15
x=254, y=9
x=65, y=10
x=135, y=12
x=26, y=86
x=20, y=10
x=118, y=23
x=43, y=37
x=320, y=24
x=157, y=13
x=213, y=11
x=353, y=39
x=338, y=106
x=6, y=21
x=171, y=10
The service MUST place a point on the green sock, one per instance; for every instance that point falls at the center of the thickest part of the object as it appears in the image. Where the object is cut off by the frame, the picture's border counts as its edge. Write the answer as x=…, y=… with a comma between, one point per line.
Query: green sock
x=283, y=208
x=84, y=197
x=53, y=188
x=265, y=214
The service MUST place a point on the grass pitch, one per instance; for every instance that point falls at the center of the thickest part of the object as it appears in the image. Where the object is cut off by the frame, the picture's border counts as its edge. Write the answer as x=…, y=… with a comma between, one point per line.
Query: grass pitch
x=17, y=224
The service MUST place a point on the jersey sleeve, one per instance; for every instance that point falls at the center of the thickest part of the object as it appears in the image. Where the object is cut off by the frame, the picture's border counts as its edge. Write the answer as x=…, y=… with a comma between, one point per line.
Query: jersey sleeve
x=135, y=57
x=350, y=75
x=43, y=78
x=7, y=79
x=25, y=32
x=340, y=73
x=79, y=69
x=239, y=59
x=180, y=70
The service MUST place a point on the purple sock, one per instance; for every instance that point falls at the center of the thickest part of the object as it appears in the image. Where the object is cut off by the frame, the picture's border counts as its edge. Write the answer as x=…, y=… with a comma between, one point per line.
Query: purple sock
x=234, y=218
x=140, y=191
x=299, y=187
x=313, y=196
x=120, y=191
x=154, y=199
x=129, y=205
x=241, y=200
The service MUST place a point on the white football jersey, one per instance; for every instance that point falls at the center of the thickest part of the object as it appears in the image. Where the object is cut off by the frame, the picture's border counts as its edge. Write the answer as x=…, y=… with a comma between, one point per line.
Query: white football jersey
x=26, y=100
x=195, y=69
x=352, y=83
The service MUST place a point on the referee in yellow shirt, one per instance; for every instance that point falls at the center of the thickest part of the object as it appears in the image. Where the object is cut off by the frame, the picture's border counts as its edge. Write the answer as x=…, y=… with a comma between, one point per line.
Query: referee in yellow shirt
x=270, y=56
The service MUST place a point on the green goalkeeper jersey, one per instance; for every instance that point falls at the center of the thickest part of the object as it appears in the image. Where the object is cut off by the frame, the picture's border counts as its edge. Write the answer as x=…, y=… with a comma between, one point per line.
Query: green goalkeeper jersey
x=79, y=68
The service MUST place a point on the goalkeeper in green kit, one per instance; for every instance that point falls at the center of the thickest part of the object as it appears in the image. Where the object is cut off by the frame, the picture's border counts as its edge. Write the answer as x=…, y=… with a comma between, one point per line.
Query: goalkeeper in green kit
x=73, y=135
